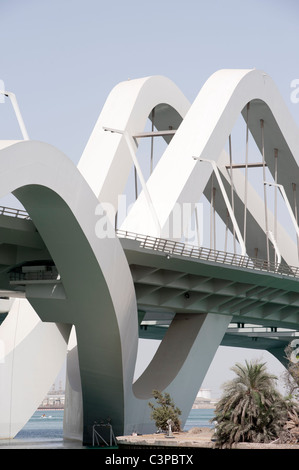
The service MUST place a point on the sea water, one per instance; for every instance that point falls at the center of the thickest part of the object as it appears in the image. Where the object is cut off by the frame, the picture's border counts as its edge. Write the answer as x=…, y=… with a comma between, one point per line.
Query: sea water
x=200, y=418
x=43, y=425
x=49, y=424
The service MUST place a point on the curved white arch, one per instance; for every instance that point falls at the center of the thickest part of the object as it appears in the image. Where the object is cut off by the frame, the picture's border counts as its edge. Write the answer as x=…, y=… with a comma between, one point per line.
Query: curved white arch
x=204, y=131
x=43, y=179
x=106, y=160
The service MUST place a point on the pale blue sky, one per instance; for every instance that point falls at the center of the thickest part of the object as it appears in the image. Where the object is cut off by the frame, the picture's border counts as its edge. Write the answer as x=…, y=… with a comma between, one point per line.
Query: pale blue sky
x=62, y=57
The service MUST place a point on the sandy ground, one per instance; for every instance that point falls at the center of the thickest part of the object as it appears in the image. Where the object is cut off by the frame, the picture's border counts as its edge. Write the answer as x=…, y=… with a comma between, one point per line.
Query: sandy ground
x=196, y=437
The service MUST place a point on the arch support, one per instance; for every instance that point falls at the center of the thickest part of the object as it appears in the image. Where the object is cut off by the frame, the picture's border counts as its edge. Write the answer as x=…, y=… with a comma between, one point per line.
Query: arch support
x=99, y=297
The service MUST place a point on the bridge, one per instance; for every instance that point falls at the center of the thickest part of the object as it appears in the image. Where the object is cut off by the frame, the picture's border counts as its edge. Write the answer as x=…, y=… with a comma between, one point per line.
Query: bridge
x=172, y=277
x=73, y=275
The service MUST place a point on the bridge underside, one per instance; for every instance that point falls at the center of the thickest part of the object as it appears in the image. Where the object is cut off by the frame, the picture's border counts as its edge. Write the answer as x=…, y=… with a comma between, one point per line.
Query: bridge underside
x=168, y=285
x=186, y=285
x=244, y=335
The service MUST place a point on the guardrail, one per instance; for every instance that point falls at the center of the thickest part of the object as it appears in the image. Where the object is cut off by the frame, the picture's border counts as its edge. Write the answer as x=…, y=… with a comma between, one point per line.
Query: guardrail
x=49, y=274
x=171, y=247
x=20, y=213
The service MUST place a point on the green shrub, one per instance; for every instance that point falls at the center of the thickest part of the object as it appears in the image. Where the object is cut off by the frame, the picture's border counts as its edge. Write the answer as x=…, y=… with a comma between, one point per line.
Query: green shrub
x=164, y=411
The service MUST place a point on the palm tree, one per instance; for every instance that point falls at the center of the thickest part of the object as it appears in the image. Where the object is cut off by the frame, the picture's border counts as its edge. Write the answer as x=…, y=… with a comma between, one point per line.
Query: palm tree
x=251, y=408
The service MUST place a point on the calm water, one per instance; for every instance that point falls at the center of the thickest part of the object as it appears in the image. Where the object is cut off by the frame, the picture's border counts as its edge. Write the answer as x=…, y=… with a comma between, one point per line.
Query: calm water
x=49, y=424
x=199, y=418
x=43, y=425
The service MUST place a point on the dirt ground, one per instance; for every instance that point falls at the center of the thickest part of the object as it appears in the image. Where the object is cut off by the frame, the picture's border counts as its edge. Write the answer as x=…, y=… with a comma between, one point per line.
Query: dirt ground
x=195, y=437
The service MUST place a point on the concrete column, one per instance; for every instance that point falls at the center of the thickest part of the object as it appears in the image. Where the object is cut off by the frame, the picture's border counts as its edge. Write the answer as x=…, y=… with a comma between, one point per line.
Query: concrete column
x=30, y=360
x=178, y=367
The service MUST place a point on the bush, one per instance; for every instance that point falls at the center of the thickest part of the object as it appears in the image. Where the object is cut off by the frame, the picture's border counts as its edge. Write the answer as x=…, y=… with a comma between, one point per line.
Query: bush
x=165, y=410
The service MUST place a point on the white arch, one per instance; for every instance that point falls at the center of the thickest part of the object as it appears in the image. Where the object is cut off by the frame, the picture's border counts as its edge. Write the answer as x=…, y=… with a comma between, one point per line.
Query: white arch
x=104, y=309
x=203, y=133
x=106, y=160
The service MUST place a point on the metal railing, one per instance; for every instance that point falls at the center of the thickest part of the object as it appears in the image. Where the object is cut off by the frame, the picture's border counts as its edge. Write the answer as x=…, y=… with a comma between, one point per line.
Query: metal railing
x=171, y=247
x=20, y=213
x=50, y=274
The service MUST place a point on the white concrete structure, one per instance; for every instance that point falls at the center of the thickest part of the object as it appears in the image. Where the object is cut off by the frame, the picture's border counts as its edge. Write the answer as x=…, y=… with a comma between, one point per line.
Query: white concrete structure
x=93, y=288
x=204, y=393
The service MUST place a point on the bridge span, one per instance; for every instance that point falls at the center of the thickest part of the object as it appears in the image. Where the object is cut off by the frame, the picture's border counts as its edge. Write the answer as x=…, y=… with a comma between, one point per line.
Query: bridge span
x=173, y=278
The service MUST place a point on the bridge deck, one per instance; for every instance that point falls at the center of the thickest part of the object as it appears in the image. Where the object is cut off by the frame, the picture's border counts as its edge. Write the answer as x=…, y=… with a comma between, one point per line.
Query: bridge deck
x=184, y=284
x=173, y=277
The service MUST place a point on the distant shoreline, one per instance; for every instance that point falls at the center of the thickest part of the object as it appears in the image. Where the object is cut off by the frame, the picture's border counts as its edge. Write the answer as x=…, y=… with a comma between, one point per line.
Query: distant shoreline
x=204, y=406
x=47, y=408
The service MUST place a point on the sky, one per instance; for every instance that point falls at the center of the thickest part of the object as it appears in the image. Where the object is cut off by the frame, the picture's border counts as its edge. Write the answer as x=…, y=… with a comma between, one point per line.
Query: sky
x=62, y=58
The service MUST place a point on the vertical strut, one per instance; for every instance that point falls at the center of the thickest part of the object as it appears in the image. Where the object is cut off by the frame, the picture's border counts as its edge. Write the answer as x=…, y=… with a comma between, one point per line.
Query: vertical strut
x=152, y=141
x=275, y=194
x=285, y=198
x=232, y=187
x=214, y=216
x=226, y=230
x=136, y=183
x=246, y=176
x=265, y=191
x=211, y=211
x=296, y=212
x=197, y=226
x=226, y=200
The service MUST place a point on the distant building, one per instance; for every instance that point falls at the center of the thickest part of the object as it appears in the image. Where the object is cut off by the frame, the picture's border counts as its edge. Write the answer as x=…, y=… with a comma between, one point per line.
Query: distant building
x=203, y=399
x=204, y=393
x=55, y=399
